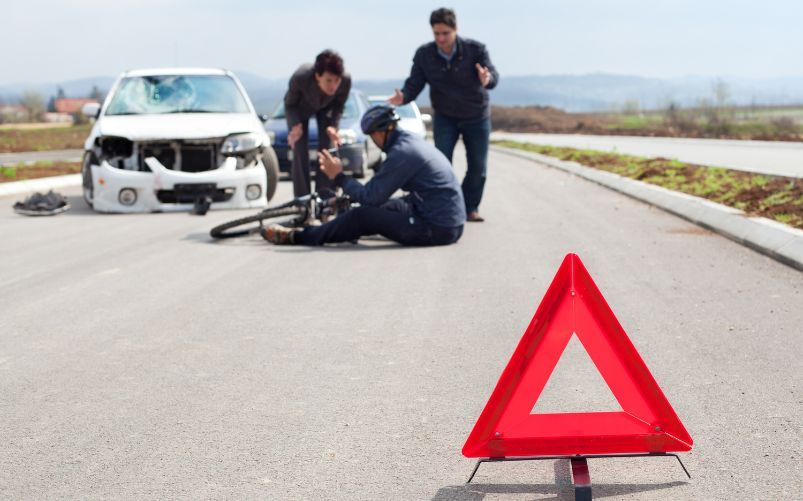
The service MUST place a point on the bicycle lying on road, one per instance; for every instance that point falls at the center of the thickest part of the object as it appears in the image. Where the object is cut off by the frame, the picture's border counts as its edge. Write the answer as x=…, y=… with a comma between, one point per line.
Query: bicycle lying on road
x=299, y=212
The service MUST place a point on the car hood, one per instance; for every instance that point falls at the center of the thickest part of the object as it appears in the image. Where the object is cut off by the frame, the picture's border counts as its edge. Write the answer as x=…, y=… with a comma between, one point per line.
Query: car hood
x=178, y=126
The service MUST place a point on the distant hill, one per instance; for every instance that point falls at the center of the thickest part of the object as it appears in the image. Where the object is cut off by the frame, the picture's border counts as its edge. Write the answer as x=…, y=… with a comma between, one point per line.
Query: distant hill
x=581, y=93
x=602, y=92
x=72, y=88
x=575, y=93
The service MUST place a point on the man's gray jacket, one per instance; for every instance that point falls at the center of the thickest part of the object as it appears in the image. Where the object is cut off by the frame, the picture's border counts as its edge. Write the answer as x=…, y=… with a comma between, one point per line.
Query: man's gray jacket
x=304, y=99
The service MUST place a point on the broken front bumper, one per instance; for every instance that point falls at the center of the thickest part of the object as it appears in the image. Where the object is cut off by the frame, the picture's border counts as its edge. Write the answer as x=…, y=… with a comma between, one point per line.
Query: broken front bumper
x=164, y=190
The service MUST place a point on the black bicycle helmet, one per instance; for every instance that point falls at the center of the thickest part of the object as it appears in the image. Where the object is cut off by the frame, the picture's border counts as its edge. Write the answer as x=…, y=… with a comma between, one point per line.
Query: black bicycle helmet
x=379, y=117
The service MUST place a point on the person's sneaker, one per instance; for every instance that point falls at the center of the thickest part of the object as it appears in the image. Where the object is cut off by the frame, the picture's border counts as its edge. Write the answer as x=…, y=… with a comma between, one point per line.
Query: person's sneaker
x=475, y=217
x=278, y=234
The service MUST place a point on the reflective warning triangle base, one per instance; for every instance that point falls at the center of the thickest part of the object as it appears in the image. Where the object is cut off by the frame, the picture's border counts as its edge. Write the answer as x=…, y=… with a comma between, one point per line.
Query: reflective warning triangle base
x=574, y=305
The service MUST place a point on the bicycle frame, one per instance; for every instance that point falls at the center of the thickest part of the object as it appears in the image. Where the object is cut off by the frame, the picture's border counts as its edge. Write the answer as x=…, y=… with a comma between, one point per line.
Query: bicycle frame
x=302, y=210
x=319, y=205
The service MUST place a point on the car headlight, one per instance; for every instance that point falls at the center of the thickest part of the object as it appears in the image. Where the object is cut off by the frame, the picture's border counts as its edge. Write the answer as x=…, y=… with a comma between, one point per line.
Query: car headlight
x=347, y=136
x=239, y=144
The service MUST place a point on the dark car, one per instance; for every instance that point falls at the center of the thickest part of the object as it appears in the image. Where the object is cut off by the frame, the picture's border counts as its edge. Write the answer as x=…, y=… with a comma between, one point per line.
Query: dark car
x=357, y=151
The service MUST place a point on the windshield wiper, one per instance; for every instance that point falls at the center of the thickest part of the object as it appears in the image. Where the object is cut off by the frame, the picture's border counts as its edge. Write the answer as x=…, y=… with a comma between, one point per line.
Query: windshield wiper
x=195, y=111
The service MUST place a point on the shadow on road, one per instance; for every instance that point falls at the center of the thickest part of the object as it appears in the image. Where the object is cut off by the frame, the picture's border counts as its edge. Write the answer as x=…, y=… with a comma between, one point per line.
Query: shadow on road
x=477, y=492
x=562, y=488
x=77, y=206
x=372, y=243
x=253, y=240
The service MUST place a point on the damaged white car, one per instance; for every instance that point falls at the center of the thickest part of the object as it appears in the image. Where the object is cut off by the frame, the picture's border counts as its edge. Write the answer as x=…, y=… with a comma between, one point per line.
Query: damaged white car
x=167, y=140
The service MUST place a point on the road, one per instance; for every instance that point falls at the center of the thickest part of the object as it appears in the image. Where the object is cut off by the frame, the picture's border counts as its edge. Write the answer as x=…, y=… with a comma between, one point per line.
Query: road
x=138, y=359
x=41, y=156
x=768, y=157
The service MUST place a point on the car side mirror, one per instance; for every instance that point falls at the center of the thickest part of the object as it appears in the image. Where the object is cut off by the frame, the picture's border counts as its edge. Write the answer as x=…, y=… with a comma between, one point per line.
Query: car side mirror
x=91, y=110
x=264, y=118
x=426, y=118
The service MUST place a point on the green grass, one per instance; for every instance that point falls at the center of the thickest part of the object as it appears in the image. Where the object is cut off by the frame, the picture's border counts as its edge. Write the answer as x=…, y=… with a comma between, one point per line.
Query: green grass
x=774, y=197
x=9, y=172
x=739, y=122
x=635, y=122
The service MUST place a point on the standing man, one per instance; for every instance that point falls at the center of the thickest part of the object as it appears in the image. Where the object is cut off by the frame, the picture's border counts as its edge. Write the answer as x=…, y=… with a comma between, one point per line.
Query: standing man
x=459, y=72
x=319, y=90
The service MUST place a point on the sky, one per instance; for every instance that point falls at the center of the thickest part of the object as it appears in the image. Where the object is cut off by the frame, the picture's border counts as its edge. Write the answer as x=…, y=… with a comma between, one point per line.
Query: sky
x=54, y=41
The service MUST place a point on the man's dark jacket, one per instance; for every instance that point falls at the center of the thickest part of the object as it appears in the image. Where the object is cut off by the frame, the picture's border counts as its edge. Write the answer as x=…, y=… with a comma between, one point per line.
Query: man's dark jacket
x=454, y=87
x=417, y=167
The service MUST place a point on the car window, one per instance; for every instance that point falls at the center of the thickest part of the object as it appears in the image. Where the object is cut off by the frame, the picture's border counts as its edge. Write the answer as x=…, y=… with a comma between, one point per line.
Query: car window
x=158, y=94
x=350, y=110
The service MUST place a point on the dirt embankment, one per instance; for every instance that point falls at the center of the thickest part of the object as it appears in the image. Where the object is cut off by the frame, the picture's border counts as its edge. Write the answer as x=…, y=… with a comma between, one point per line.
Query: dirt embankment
x=544, y=119
x=60, y=138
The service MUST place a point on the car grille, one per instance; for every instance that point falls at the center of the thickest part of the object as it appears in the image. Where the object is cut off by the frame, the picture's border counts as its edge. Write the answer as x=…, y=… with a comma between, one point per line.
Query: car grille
x=189, y=193
x=182, y=156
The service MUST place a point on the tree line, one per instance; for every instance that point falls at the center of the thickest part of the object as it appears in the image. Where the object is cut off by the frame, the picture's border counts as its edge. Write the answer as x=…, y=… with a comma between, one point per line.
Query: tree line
x=32, y=106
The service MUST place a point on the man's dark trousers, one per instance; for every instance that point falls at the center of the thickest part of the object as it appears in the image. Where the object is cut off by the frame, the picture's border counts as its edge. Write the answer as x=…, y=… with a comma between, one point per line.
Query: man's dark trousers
x=393, y=220
x=301, y=161
x=476, y=136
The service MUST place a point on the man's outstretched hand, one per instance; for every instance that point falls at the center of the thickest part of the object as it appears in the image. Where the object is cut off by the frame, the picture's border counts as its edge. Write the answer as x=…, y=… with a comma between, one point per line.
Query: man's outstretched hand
x=484, y=74
x=397, y=99
x=331, y=166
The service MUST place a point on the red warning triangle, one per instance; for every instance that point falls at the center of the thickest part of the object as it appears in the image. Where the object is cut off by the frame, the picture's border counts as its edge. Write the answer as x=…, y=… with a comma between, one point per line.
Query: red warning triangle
x=574, y=305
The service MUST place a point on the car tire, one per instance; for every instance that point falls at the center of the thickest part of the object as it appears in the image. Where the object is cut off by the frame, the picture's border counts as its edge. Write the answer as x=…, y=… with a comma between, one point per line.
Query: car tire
x=87, y=182
x=271, y=162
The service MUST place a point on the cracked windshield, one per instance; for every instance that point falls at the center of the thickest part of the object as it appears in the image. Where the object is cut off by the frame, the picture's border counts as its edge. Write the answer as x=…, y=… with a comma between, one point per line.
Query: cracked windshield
x=177, y=94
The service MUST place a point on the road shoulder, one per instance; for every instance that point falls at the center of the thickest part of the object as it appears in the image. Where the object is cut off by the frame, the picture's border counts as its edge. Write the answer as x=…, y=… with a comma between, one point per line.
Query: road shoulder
x=39, y=184
x=773, y=239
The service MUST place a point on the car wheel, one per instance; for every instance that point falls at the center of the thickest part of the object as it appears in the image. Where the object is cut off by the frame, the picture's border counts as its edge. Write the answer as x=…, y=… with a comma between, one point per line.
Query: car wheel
x=271, y=162
x=86, y=177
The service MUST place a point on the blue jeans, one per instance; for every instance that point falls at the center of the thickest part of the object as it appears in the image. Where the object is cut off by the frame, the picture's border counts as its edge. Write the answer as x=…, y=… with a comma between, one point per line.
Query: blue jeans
x=476, y=136
x=393, y=220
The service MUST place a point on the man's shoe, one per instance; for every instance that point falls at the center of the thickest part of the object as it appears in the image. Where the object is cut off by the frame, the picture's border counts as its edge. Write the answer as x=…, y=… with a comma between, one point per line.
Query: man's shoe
x=475, y=217
x=278, y=234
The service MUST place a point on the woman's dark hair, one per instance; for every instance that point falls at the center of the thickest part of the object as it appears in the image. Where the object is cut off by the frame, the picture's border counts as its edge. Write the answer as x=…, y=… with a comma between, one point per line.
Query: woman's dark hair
x=330, y=61
x=443, y=16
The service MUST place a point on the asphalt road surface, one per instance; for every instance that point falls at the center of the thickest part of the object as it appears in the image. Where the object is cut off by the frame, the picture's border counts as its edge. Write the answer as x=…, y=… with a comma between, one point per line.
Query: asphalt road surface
x=779, y=158
x=138, y=359
x=41, y=156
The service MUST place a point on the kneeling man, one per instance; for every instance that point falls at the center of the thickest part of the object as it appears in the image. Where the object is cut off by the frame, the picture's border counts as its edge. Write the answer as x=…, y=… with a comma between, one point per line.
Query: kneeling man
x=431, y=213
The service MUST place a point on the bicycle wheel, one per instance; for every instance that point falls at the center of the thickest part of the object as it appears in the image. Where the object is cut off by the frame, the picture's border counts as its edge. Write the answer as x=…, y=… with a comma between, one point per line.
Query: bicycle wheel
x=244, y=226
